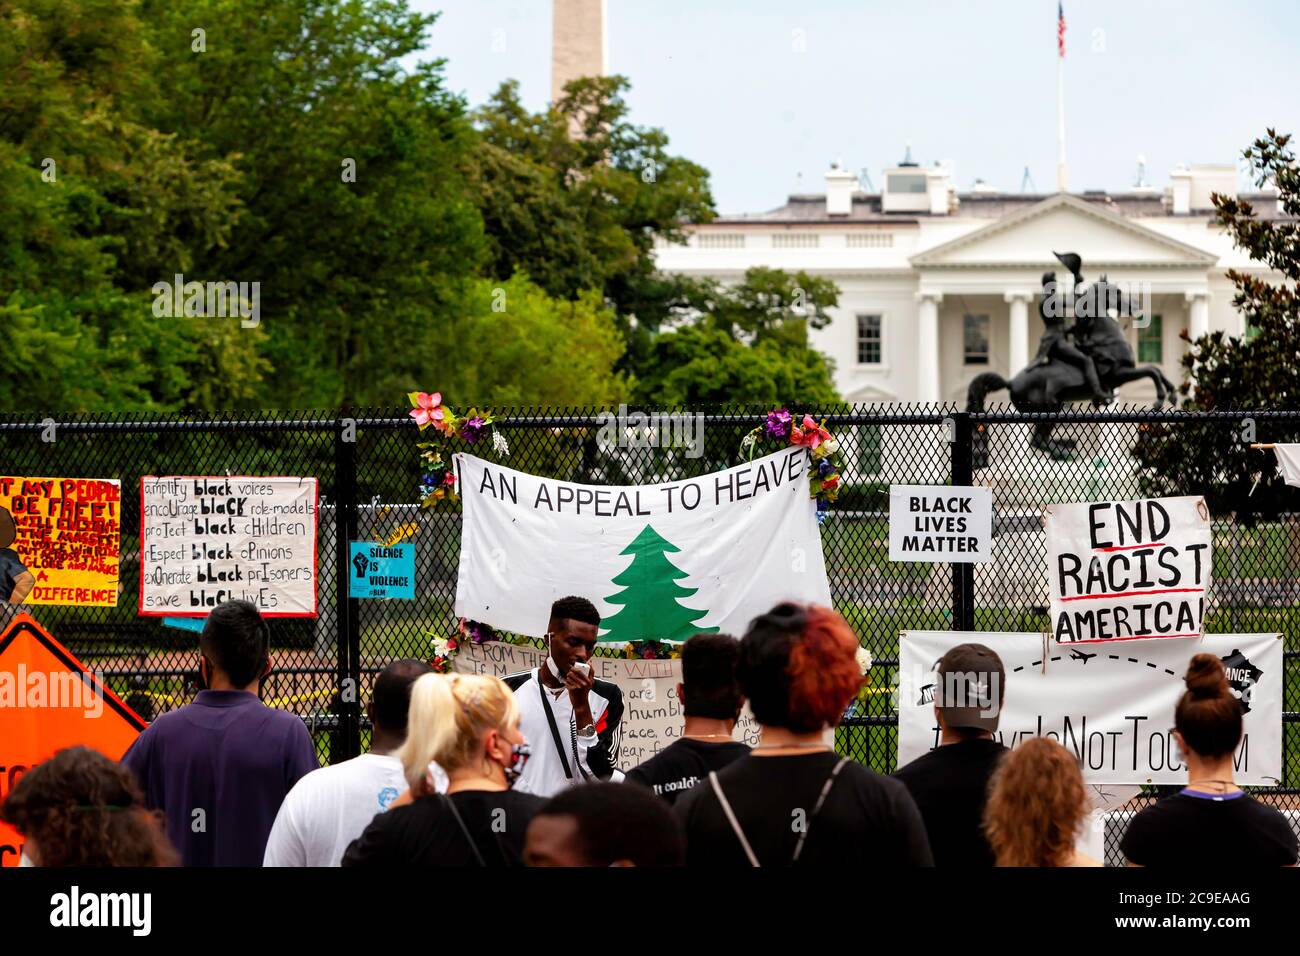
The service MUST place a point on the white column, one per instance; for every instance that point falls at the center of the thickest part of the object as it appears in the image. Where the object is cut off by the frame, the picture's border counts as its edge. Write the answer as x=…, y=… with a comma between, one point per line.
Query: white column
x=927, y=346
x=1018, y=329
x=1198, y=316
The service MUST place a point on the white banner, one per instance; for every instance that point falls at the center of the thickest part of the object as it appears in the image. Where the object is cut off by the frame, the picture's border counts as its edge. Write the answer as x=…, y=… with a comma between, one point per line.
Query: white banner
x=652, y=712
x=209, y=539
x=940, y=523
x=660, y=562
x=1112, y=707
x=1128, y=570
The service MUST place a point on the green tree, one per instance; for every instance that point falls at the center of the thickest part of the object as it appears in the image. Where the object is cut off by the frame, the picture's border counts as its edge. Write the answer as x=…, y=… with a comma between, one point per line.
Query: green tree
x=650, y=602
x=744, y=344
x=1254, y=371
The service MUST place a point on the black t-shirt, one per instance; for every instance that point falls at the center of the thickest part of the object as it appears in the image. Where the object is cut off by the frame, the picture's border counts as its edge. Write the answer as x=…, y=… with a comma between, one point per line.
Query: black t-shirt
x=425, y=833
x=1190, y=829
x=867, y=819
x=683, y=765
x=950, y=785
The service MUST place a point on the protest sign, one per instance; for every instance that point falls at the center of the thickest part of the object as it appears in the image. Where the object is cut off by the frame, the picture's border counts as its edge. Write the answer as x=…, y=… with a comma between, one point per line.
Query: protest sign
x=49, y=701
x=381, y=571
x=206, y=540
x=660, y=562
x=652, y=712
x=1128, y=570
x=940, y=523
x=65, y=532
x=1112, y=707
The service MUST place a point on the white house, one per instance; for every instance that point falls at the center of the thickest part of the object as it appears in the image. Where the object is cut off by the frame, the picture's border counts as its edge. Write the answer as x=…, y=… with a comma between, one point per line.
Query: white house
x=938, y=286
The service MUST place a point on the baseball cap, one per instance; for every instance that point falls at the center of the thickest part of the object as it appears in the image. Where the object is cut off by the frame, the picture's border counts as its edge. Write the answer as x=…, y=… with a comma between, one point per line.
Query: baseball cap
x=969, y=687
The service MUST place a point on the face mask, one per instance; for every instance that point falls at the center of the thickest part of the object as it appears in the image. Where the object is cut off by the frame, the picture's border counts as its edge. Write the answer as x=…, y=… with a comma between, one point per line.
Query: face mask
x=24, y=859
x=550, y=665
x=519, y=755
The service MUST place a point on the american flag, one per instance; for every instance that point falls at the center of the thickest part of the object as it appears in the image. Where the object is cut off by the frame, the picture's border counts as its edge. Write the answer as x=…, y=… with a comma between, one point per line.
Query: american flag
x=1060, y=29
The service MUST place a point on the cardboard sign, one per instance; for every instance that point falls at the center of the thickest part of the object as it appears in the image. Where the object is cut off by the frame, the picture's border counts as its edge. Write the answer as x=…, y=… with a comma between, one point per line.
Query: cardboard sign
x=1111, y=707
x=66, y=533
x=205, y=540
x=1128, y=570
x=940, y=523
x=382, y=570
x=49, y=701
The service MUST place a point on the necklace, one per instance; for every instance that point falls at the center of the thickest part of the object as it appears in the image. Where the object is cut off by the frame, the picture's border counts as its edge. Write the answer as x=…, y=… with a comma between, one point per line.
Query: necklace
x=1223, y=783
x=707, y=736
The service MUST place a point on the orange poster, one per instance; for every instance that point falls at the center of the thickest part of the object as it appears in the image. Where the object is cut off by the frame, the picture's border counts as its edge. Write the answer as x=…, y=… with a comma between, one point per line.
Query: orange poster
x=60, y=540
x=48, y=701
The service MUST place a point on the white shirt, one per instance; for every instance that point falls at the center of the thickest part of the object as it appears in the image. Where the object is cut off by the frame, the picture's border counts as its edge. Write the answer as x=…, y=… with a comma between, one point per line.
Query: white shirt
x=544, y=773
x=328, y=808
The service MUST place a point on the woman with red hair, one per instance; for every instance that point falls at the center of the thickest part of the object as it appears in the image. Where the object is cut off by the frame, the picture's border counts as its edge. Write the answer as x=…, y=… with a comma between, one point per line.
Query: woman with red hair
x=793, y=800
x=1037, y=807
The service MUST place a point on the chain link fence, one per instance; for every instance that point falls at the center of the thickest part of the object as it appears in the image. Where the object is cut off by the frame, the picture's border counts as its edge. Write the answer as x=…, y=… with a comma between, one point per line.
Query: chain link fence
x=368, y=472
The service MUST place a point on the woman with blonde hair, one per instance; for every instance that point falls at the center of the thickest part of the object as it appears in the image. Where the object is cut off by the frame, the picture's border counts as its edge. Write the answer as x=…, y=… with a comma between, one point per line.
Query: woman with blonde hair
x=468, y=725
x=1037, y=807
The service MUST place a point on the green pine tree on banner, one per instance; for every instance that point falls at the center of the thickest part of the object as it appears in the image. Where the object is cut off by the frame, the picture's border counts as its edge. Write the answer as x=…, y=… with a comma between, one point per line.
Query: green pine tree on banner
x=650, y=608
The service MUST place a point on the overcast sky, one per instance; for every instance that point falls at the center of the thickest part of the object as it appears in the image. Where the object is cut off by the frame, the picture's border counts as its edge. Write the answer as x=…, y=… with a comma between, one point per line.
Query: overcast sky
x=765, y=94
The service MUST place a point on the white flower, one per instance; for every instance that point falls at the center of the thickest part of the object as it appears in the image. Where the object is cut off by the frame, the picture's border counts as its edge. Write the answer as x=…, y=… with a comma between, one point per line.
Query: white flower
x=864, y=659
x=499, y=444
x=440, y=647
x=748, y=440
x=830, y=446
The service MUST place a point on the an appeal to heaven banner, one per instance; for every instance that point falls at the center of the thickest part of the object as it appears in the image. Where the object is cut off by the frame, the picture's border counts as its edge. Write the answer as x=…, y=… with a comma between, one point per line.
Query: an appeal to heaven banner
x=1128, y=570
x=660, y=562
x=1111, y=706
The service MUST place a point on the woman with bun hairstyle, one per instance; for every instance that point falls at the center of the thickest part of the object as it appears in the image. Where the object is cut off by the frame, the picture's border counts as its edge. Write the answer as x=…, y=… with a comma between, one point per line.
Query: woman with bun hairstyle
x=1211, y=822
x=1037, y=807
x=792, y=800
x=469, y=726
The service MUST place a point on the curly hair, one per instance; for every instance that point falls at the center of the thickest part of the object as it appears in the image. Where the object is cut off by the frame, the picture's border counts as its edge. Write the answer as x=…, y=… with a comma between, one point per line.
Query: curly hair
x=1037, y=805
x=82, y=809
x=798, y=667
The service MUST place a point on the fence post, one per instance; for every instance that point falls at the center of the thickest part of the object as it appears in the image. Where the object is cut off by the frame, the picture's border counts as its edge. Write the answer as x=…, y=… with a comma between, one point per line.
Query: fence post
x=963, y=473
x=349, y=639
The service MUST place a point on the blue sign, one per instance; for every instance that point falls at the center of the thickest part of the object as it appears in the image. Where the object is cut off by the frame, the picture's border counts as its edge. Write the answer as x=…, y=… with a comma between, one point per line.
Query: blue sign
x=382, y=570
x=186, y=623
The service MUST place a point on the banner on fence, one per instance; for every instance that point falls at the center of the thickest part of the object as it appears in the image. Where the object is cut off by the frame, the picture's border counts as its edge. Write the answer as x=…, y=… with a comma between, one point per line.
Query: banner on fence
x=1128, y=570
x=942, y=523
x=1112, y=707
x=205, y=540
x=65, y=533
x=660, y=562
x=652, y=712
x=49, y=701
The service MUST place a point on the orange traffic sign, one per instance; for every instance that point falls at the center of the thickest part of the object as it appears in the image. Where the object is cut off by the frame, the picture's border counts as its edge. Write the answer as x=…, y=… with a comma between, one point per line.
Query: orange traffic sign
x=50, y=700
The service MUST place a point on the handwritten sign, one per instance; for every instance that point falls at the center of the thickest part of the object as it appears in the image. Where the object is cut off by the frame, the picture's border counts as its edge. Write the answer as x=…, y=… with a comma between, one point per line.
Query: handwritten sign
x=66, y=533
x=206, y=540
x=382, y=570
x=940, y=523
x=1128, y=570
x=652, y=712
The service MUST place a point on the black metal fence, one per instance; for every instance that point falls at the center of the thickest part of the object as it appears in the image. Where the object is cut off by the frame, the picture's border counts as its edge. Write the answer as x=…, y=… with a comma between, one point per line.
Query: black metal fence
x=368, y=473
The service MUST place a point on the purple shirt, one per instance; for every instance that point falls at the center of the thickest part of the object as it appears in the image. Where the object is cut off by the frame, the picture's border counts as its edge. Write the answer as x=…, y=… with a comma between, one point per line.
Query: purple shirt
x=232, y=757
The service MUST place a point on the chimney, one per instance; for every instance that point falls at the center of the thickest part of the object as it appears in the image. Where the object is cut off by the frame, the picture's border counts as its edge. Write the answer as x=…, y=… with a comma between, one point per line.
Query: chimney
x=840, y=186
x=1182, y=190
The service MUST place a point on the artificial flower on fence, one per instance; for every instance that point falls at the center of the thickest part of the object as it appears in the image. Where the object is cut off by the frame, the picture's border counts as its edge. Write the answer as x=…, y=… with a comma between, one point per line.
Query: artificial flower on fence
x=782, y=429
x=651, y=650
x=475, y=429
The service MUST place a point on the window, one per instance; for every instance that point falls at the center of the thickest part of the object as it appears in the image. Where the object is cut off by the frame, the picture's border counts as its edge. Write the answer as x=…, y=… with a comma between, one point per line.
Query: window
x=869, y=450
x=795, y=240
x=720, y=240
x=869, y=240
x=975, y=329
x=869, y=340
x=905, y=183
x=1151, y=341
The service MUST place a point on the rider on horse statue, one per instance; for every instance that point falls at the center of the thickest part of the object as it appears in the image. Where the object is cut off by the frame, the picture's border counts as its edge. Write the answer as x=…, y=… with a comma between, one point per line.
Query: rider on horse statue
x=1055, y=343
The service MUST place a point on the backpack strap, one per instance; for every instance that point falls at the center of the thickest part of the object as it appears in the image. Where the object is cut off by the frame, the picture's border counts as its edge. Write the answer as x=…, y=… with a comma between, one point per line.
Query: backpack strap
x=731, y=818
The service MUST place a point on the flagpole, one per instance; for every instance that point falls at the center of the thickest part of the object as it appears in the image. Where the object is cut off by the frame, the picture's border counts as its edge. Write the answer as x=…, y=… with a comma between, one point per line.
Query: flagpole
x=1062, y=182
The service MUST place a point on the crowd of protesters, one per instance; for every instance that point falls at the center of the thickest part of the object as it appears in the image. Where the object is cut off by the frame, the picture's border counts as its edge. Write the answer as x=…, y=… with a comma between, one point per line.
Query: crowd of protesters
x=472, y=770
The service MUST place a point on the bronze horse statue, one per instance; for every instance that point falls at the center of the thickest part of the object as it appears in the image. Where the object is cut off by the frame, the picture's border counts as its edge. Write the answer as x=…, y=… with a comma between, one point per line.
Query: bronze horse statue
x=1051, y=380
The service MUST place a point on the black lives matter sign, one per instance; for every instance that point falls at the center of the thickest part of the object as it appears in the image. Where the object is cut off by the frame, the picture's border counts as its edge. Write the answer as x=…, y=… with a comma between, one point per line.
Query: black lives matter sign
x=941, y=523
x=1128, y=570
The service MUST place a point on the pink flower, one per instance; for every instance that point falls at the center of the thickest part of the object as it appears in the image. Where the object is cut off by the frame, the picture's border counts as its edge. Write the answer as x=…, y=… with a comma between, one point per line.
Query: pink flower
x=449, y=478
x=428, y=409
x=831, y=482
x=810, y=434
